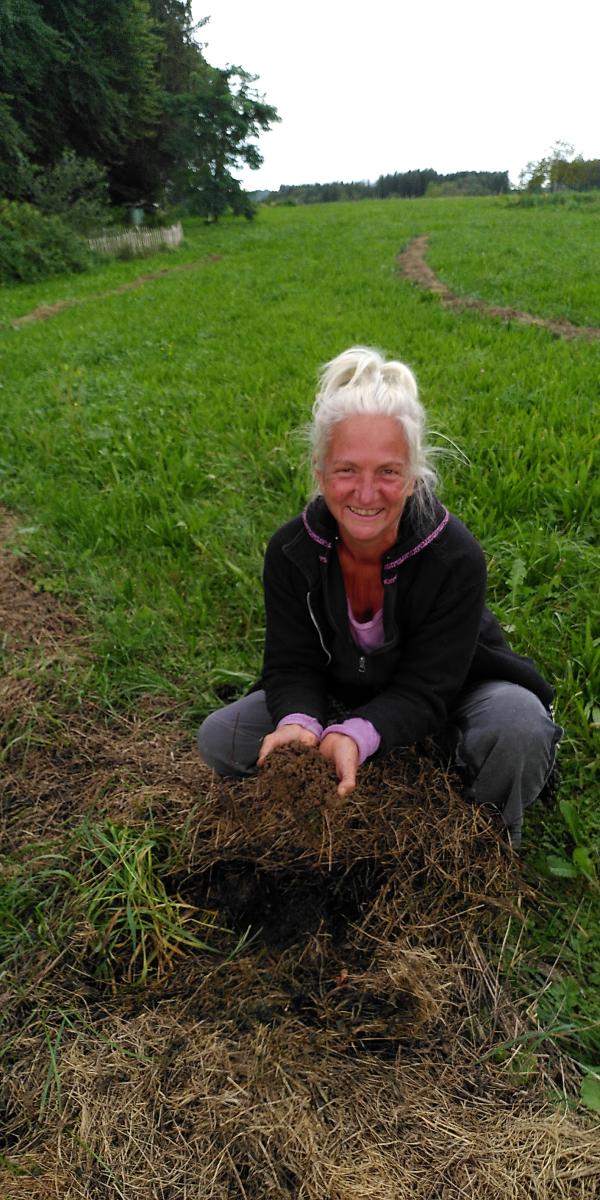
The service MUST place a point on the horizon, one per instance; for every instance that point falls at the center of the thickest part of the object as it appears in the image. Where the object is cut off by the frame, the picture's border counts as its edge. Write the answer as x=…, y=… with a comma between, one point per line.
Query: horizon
x=372, y=182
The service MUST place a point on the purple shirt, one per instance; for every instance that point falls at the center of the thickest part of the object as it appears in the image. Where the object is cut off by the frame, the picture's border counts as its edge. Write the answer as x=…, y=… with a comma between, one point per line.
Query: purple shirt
x=367, y=634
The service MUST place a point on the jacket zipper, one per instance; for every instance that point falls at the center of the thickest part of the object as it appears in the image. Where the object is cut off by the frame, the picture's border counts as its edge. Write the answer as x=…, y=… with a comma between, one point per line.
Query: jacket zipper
x=362, y=662
x=316, y=625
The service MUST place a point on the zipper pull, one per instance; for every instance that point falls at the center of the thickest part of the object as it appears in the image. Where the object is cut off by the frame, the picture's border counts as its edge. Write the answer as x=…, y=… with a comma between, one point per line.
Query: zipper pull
x=362, y=664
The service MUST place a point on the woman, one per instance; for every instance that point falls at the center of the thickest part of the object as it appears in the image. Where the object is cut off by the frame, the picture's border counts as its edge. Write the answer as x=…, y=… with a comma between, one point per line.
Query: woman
x=377, y=634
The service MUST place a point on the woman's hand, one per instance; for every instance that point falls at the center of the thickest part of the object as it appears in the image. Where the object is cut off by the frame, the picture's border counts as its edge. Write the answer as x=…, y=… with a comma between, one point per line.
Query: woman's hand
x=283, y=737
x=342, y=751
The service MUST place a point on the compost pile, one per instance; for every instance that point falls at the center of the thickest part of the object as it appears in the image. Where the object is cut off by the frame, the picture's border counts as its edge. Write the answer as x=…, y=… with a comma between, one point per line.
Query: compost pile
x=361, y=1043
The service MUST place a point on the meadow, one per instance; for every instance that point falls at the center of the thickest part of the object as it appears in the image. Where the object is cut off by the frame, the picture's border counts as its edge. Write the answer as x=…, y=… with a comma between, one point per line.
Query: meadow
x=152, y=439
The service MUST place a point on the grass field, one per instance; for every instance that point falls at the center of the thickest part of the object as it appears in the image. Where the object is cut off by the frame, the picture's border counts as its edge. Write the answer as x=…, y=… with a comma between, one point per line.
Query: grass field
x=150, y=444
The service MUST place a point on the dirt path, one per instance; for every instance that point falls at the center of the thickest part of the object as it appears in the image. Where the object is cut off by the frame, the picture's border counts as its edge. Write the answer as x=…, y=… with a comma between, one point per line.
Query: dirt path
x=412, y=265
x=44, y=311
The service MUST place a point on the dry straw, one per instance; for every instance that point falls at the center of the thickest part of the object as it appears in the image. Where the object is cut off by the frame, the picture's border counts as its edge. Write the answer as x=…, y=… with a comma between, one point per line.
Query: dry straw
x=344, y=1054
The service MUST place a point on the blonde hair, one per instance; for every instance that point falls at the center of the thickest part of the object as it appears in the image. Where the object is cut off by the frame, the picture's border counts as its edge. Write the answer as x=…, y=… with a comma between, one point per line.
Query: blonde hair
x=361, y=381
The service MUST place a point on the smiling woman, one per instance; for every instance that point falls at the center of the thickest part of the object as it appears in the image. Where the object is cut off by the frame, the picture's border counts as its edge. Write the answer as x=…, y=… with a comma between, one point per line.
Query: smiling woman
x=366, y=480
x=377, y=632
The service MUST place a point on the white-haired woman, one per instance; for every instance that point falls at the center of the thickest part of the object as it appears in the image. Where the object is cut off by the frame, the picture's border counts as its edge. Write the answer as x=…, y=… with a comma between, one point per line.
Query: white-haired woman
x=377, y=634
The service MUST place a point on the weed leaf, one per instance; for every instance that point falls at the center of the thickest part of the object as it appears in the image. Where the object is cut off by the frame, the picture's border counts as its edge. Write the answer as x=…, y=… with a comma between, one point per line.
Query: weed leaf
x=590, y=1092
x=583, y=862
x=517, y=575
x=559, y=866
x=571, y=820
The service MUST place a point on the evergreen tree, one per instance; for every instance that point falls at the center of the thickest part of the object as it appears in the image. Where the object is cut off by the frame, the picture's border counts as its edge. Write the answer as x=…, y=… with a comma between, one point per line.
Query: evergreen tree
x=77, y=75
x=32, y=55
x=123, y=83
x=214, y=130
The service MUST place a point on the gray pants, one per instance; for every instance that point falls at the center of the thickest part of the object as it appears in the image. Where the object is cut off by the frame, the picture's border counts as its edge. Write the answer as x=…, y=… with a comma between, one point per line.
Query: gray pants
x=500, y=732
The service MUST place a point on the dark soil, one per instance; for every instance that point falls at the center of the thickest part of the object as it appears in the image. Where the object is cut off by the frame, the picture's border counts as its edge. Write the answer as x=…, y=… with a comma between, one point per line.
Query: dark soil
x=283, y=909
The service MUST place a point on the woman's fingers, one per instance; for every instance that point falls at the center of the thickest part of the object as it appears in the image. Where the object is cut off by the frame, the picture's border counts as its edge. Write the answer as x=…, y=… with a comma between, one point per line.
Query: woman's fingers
x=342, y=751
x=283, y=737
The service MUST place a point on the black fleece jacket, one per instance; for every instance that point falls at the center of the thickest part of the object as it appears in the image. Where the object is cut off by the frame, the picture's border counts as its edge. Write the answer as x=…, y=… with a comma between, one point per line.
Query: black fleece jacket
x=439, y=636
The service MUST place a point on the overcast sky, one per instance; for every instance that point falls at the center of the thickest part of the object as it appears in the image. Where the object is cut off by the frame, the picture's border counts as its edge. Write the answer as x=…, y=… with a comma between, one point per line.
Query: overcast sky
x=370, y=88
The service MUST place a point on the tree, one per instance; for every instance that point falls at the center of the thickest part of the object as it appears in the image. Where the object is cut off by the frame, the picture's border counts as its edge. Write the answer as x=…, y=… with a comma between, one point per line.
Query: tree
x=31, y=54
x=538, y=176
x=123, y=83
x=579, y=175
x=215, y=128
x=153, y=160
x=110, y=92
x=74, y=188
x=76, y=75
x=561, y=170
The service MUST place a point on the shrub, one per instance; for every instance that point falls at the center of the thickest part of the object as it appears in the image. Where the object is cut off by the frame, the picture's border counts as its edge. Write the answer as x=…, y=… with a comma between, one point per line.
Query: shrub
x=34, y=245
x=75, y=189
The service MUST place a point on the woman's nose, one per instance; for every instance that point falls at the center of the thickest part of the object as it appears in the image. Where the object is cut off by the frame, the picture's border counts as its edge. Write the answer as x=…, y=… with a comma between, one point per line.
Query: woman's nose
x=366, y=488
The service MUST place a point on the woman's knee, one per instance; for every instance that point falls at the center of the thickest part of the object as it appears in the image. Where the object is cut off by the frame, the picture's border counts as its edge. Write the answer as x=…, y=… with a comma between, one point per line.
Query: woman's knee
x=214, y=742
x=229, y=739
x=508, y=747
x=510, y=716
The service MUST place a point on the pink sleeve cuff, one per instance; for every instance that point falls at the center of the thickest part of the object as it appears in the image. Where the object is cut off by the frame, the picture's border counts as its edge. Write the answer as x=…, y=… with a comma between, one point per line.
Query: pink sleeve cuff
x=362, y=732
x=309, y=723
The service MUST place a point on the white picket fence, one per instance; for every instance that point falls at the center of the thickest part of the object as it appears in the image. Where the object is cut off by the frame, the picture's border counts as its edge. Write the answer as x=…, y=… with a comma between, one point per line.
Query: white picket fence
x=137, y=241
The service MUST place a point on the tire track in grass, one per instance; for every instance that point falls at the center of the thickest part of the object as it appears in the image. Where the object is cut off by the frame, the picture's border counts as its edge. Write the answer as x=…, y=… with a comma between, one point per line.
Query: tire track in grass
x=412, y=264
x=44, y=311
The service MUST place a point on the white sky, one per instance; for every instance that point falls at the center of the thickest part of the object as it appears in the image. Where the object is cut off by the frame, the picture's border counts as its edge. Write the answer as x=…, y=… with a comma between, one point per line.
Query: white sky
x=370, y=88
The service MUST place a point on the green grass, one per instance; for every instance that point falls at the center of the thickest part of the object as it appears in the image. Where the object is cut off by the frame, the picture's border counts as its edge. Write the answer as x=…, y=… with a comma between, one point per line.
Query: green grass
x=544, y=260
x=105, y=896
x=148, y=441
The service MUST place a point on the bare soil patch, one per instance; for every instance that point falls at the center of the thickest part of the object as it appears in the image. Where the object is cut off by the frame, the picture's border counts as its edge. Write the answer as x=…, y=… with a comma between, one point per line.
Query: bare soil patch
x=350, y=1050
x=412, y=264
x=44, y=311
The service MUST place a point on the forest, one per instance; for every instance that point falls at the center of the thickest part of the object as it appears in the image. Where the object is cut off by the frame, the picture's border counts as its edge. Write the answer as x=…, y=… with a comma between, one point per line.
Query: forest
x=116, y=102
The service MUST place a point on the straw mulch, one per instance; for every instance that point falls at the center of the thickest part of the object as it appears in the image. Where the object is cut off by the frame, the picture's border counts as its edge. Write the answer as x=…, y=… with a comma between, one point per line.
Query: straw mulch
x=347, y=1052
x=363, y=1044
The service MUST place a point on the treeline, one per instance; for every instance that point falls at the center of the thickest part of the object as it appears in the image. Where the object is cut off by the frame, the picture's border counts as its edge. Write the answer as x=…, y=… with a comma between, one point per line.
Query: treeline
x=429, y=183
x=409, y=184
x=559, y=171
x=118, y=96
x=559, y=174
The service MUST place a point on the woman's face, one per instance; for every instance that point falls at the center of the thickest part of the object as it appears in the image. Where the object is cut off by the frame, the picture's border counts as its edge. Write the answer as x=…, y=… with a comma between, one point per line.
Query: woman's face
x=365, y=481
